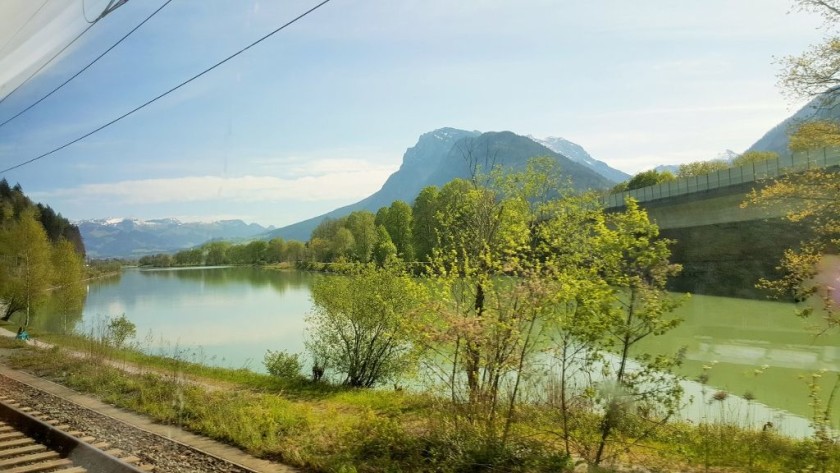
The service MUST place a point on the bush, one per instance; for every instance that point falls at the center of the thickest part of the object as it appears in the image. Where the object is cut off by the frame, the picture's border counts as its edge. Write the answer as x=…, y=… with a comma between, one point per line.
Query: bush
x=282, y=364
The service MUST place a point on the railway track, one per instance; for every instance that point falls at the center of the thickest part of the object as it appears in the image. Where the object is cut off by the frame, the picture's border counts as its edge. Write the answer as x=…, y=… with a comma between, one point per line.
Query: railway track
x=32, y=442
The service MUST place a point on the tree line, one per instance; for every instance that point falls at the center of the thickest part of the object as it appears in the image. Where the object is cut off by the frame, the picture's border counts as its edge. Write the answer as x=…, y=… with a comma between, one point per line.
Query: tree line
x=40, y=253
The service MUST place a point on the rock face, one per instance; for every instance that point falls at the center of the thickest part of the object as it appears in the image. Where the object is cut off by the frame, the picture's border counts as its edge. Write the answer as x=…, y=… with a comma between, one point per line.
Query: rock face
x=576, y=153
x=129, y=238
x=448, y=153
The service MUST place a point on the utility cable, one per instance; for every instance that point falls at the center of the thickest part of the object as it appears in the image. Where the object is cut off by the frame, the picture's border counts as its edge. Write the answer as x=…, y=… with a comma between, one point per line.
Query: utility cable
x=87, y=66
x=14, y=35
x=173, y=89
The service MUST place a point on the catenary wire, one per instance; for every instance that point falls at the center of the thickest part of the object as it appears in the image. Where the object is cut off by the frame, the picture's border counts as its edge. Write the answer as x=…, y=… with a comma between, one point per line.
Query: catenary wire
x=84, y=14
x=14, y=35
x=173, y=89
x=87, y=66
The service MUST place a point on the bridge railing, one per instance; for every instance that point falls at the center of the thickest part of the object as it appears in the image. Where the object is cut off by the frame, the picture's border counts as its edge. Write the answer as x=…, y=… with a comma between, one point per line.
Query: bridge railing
x=795, y=162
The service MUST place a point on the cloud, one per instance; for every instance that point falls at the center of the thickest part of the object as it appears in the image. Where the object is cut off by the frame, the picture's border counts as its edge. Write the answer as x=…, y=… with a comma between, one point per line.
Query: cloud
x=346, y=180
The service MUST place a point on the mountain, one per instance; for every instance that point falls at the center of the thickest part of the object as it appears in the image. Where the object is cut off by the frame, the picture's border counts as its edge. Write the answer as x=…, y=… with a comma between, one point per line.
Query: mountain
x=576, y=153
x=444, y=154
x=129, y=238
x=777, y=139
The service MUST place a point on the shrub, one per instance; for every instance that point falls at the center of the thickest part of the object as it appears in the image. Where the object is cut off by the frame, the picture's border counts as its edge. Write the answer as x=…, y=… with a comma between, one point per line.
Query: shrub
x=282, y=364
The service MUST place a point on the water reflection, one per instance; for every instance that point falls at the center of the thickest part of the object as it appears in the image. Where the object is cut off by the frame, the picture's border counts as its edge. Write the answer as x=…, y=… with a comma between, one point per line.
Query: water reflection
x=232, y=315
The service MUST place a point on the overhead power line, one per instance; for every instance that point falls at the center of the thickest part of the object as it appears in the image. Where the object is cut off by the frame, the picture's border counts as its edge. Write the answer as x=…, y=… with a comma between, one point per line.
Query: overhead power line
x=173, y=89
x=88, y=65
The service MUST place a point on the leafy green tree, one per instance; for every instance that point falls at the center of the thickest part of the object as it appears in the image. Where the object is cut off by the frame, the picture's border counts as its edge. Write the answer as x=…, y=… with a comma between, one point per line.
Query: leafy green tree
x=27, y=269
x=701, y=168
x=647, y=179
x=119, y=330
x=343, y=244
x=295, y=251
x=385, y=251
x=217, y=253
x=635, y=264
x=319, y=250
x=754, y=157
x=398, y=223
x=275, y=250
x=357, y=326
x=361, y=225
x=815, y=134
x=68, y=272
x=424, y=222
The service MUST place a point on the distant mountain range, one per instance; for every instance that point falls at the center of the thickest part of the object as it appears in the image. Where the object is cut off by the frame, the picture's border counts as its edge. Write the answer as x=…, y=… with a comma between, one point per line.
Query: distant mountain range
x=448, y=153
x=131, y=238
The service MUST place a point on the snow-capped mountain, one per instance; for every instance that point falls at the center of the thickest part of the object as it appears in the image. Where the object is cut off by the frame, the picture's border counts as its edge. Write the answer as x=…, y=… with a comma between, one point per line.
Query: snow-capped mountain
x=576, y=153
x=129, y=238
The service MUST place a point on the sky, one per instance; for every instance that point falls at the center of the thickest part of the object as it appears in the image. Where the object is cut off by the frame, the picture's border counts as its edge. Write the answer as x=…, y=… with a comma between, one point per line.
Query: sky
x=318, y=115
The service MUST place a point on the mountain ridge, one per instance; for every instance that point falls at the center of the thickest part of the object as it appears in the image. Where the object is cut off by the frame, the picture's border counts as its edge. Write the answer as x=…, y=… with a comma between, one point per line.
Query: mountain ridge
x=442, y=155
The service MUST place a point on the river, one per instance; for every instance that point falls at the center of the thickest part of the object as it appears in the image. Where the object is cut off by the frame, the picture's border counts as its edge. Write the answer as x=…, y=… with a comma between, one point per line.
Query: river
x=231, y=316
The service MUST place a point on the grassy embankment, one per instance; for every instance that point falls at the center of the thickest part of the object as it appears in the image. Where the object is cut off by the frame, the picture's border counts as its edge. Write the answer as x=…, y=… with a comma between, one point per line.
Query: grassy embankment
x=324, y=427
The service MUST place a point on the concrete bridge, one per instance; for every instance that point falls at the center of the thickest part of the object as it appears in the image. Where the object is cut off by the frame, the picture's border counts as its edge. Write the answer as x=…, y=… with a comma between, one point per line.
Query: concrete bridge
x=725, y=249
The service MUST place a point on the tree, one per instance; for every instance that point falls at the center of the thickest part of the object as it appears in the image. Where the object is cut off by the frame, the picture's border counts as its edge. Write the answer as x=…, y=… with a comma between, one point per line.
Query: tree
x=701, y=168
x=385, y=251
x=343, y=244
x=817, y=70
x=357, y=324
x=634, y=264
x=295, y=251
x=423, y=225
x=26, y=269
x=751, y=157
x=68, y=271
x=645, y=179
x=398, y=222
x=275, y=250
x=815, y=134
x=361, y=225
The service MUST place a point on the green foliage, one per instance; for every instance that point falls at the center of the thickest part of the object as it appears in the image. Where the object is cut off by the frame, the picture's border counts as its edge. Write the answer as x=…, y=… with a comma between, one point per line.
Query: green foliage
x=701, y=168
x=357, y=325
x=385, y=252
x=25, y=269
x=425, y=222
x=398, y=223
x=282, y=364
x=119, y=330
x=644, y=179
x=751, y=157
x=816, y=134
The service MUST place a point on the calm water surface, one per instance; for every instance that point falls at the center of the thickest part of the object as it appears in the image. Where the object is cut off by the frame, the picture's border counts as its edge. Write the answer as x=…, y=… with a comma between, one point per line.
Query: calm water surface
x=231, y=316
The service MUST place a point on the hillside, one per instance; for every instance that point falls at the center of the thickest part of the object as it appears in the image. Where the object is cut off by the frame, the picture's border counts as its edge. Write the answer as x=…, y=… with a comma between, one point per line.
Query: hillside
x=576, y=153
x=778, y=138
x=13, y=202
x=445, y=154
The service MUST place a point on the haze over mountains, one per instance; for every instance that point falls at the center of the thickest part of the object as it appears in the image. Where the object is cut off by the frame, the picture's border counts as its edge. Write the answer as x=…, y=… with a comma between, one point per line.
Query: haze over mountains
x=448, y=153
x=130, y=238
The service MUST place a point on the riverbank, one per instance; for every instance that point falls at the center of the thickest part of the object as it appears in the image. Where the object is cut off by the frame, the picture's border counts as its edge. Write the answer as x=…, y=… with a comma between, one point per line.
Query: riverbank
x=323, y=427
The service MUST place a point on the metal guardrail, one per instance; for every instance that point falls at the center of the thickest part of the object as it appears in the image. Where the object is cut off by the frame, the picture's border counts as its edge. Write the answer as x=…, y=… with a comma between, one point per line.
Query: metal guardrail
x=795, y=162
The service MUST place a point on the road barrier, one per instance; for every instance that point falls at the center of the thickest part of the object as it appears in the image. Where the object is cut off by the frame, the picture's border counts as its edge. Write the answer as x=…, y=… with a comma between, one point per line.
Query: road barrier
x=752, y=172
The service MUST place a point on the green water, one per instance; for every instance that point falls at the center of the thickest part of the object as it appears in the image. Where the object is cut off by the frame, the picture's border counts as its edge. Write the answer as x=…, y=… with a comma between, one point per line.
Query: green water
x=231, y=316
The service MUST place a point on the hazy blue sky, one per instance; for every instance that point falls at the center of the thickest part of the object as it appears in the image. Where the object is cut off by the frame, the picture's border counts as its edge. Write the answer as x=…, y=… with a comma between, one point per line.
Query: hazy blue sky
x=319, y=115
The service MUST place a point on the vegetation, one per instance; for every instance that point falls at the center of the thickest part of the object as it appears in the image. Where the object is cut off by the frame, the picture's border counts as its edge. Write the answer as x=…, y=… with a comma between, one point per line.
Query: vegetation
x=39, y=252
x=751, y=157
x=701, y=168
x=644, y=179
x=357, y=328
x=218, y=253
